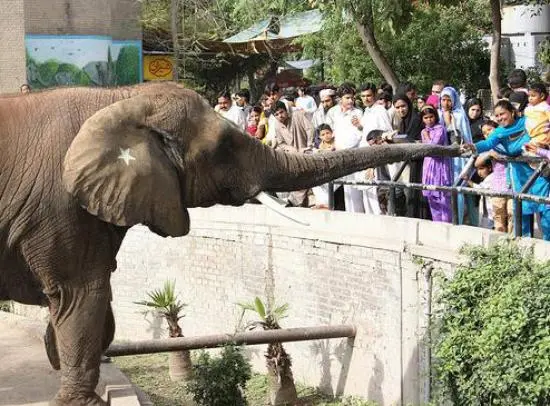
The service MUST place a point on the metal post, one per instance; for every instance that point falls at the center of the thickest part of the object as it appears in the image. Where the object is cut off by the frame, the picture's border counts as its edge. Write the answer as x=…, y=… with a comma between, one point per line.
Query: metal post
x=457, y=183
x=249, y=338
x=331, y=195
x=518, y=209
x=454, y=207
x=392, y=194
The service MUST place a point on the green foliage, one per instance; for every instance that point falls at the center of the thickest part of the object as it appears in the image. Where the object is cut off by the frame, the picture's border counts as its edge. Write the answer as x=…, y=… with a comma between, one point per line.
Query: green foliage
x=127, y=65
x=165, y=301
x=269, y=317
x=494, y=329
x=434, y=42
x=220, y=381
x=47, y=70
x=543, y=53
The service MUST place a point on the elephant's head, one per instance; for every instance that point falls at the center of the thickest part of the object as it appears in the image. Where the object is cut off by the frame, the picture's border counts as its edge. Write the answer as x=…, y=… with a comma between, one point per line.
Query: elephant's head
x=147, y=158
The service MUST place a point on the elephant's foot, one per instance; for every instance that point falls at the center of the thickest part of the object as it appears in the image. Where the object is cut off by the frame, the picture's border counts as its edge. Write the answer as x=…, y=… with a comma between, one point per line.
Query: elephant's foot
x=78, y=400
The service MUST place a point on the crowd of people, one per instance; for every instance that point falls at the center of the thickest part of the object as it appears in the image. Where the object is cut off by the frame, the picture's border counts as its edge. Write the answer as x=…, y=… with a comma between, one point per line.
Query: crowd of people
x=294, y=121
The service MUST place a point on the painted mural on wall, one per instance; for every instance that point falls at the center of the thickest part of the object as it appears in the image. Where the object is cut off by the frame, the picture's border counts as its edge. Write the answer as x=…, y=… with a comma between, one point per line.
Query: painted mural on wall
x=82, y=61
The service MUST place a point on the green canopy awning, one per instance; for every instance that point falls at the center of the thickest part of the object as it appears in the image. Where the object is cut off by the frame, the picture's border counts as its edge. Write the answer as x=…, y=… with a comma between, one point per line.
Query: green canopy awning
x=277, y=28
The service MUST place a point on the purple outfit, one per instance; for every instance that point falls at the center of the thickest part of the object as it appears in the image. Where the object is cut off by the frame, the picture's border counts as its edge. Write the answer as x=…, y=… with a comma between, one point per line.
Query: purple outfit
x=545, y=153
x=499, y=182
x=437, y=171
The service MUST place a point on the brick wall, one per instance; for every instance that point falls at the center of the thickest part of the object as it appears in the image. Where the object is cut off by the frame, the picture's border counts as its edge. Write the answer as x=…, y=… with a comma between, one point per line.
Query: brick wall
x=343, y=268
x=116, y=18
x=12, y=46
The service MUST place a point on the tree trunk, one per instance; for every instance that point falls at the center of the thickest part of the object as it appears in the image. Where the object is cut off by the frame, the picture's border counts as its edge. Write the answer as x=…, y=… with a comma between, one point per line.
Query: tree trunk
x=180, y=367
x=282, y=390
x=175, y=42
x=366, y=33
x=495, y=49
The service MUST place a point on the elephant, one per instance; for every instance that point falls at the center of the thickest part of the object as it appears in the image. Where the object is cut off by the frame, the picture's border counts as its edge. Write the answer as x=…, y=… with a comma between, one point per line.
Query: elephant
x=80, y=166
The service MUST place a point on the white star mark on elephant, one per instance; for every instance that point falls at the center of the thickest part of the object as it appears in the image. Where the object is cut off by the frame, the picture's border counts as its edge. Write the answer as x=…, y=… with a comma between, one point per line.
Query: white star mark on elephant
x=125, y=156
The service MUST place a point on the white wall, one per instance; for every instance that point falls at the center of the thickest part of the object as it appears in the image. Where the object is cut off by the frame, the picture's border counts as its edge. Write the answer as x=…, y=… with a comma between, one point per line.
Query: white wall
x=525, y=27
x=12, y=46
x=343, y=268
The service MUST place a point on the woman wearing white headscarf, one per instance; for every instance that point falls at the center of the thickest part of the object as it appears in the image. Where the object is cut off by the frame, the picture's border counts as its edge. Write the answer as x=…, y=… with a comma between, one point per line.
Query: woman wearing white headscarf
x=455, y=119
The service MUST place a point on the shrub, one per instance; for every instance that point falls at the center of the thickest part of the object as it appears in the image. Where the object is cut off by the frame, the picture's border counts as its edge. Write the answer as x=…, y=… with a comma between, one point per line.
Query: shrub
x=220, y=381
x=494, y=329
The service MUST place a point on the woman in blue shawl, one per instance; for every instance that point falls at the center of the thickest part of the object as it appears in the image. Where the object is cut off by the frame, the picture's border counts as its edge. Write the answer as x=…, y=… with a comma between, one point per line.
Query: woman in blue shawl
x=455, y=120
x=510, y=137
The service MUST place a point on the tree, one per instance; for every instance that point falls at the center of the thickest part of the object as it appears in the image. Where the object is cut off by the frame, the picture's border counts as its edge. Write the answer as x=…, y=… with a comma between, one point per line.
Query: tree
x=438, y=42
x=127, y=65
x=165, y=302
x=496, y=17
x=282, y=390
x=389, y=16
x=212, y=20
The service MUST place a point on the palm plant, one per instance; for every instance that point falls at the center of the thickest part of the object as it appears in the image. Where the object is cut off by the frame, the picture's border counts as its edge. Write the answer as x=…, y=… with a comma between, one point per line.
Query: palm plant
x=282, y=390
x=166, y=303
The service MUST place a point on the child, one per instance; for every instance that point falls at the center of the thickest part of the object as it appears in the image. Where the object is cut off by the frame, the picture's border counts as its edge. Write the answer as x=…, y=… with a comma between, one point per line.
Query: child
x=327, y=138
x=326, y=145
x=537, y=116
x=436, y=170
x=485, y=172
x=502, y=207
x=255, y=125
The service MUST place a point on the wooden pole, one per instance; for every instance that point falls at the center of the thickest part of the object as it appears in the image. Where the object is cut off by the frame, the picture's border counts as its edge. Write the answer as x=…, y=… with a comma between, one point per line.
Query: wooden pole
x=218, y=340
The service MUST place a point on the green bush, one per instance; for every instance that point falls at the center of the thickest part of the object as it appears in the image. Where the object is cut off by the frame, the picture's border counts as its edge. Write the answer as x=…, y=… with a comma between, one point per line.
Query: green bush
x=220, y=381
x=493, y=345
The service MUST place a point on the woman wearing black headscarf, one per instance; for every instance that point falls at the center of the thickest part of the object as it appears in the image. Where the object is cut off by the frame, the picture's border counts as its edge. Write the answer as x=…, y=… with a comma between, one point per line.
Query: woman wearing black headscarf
x=474, y=110
x=409, y=125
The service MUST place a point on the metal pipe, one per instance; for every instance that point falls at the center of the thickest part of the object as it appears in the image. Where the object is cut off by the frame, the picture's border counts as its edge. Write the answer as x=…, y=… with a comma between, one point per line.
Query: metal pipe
x=392, y=194
x=331, y=195
x=461, y=189
x=217, y=340
x=518, y=208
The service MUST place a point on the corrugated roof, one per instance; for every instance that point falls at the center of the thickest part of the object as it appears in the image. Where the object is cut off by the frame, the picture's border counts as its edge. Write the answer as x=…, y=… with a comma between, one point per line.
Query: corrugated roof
x=307, y=22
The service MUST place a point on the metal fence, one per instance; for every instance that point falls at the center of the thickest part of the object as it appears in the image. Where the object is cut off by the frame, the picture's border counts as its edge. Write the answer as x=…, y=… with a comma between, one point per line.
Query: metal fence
x=458, y=189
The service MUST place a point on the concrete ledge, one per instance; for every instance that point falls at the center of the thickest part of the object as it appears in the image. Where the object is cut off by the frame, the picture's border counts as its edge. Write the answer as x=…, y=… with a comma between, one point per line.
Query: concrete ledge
x=113, y=386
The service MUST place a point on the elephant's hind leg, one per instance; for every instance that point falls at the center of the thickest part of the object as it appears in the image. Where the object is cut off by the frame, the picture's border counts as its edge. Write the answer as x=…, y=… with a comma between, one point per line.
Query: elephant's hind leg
x=51, y=342
x=78, y=316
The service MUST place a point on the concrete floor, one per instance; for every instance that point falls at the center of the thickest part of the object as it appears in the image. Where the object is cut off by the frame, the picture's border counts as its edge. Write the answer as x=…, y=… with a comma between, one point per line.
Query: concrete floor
x=26, y=377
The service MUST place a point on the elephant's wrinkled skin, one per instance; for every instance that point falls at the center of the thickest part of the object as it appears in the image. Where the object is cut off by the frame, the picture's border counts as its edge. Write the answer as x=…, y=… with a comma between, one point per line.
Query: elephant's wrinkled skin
x=78, y=167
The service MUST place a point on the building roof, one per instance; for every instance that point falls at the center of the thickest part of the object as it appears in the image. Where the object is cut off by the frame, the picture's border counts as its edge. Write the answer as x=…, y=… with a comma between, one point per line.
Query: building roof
x=280, y=28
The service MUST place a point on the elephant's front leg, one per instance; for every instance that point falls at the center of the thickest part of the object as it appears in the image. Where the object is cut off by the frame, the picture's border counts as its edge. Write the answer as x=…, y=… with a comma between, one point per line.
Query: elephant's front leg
x=78, y=316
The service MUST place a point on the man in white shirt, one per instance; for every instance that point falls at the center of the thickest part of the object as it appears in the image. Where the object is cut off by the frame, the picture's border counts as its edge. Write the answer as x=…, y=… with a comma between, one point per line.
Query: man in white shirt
x=231, y=112
x=341, y=118
x=306, y=103
x=328, y=100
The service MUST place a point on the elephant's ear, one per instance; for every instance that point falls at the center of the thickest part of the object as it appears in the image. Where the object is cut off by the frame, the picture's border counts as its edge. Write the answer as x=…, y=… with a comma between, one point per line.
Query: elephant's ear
x=119, y=171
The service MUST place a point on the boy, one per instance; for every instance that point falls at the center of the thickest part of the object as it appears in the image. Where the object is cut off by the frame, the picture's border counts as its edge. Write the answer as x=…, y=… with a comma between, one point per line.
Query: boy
x=537, y=116
x=485, y=172
x=326, y=145
x=327, y=138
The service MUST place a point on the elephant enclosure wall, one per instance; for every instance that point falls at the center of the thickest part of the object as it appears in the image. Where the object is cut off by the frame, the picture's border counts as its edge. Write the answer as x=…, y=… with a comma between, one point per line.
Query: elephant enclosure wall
x=344, y=268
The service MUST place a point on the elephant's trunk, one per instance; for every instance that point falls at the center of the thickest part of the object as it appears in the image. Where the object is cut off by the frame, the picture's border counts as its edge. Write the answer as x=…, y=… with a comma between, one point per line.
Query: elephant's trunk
x=287, y=171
